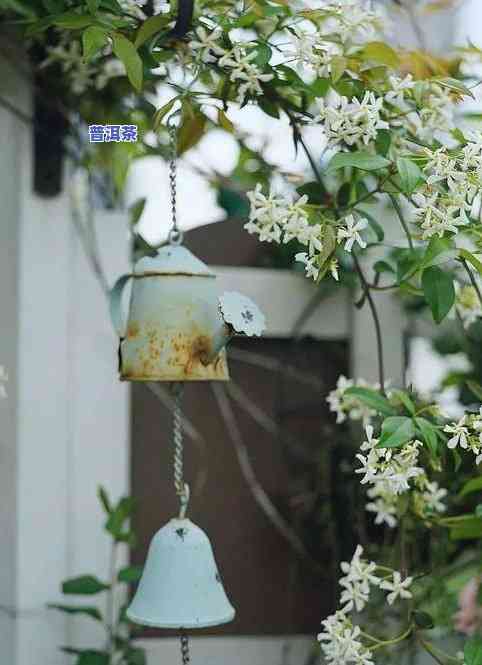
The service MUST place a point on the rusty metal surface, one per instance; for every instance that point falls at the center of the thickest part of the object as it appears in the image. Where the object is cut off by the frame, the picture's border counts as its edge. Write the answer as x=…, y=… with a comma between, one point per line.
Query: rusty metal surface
x=173, y=327
x=171, y=357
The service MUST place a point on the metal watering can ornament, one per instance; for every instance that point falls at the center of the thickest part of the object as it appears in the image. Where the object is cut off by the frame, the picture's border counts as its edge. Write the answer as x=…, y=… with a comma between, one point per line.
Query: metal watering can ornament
x=176, y=330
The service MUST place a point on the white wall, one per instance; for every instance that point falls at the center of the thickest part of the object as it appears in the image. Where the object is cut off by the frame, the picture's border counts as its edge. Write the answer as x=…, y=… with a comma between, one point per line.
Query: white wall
x=64, y=427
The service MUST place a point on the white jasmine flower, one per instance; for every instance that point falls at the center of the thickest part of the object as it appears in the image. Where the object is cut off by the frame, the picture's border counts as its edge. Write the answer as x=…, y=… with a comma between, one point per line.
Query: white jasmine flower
x=353, y=123
x=353, y=596
x=383, y=504
x=341, y=643
x=265, y=215
x=207, y=44
x=371, y=442
x=459, y=433
x=311, y=268
x=433, y=496
x=344, y=405
x=350, y=232
x=359, y=576
x=398, y=588
x=243, y=69
x=398, y=88
x=442, y=166
x=435, y=217
x=468, y=304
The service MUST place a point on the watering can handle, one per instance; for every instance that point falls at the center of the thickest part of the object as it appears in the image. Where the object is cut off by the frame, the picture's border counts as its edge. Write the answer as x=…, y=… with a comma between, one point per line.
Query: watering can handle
x=115, y=305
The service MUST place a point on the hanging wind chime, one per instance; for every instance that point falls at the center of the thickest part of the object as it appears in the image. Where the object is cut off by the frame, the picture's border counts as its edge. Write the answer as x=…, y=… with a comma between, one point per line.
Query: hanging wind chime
x=176, y=331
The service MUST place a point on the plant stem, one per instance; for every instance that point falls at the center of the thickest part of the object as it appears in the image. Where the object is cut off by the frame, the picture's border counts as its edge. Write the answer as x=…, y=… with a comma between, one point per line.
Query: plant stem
x=396, y=640
x=430, y=650
x=110, y=609
x=473, y=280
x=376, y=321
x=398, y=210
x=364, y=283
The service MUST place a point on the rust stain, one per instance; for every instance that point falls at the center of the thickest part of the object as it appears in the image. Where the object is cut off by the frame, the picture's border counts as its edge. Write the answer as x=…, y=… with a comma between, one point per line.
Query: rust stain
x=133, y=330
x=180, y=360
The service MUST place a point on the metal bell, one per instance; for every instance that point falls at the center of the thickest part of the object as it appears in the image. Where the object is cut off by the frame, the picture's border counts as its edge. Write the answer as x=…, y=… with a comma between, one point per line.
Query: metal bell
x=180, y=586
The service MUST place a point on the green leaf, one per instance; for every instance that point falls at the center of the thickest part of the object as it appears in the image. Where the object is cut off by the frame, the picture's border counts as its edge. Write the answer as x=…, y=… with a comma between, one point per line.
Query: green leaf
x=383, y=142
x=268, y=107
x=439, y=292
x=225, y=122
x=455, y=85
x=373, y=399
x=52, y=6
x=104, y=499
x=410, y=174
x=160, y=114
x=315, y=192
x=150, y=27
x=473, y=485
x=423, y=620
x=93, y=5
x=396, y=431
x=86, y=585
x=92, y=612
x=121, y=513
x=263, y=54
x=130, y=574
x=475, y=388
x=338, y=65
x=192, y=129
x=136, y=657
x=319, y=87
x=360, y=160
x=428, y=434
x=94, y=658
x=473, y=651
x=127, y=54
x=438, y=251
x=93, y=39
x=468, y=256
x=136, y=210
x=73, y=21
x=405, y=399
x=380, y=52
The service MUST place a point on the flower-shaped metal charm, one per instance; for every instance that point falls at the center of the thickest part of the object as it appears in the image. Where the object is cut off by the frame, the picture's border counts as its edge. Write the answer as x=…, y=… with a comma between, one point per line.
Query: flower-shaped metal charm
x=241, y=314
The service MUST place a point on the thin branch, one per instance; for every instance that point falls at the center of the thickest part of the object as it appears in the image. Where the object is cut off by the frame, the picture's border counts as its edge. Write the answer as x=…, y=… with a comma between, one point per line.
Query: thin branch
x=259, y=494
x=376, y=321
x=265, y=422
x=473, y=280
x=399, y=212
x=274, y=365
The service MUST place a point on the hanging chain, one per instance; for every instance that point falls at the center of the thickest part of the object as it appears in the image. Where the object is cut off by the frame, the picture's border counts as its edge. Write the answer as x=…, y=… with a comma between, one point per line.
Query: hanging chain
x=175, y=235
x=182, y=488
x=186, y=658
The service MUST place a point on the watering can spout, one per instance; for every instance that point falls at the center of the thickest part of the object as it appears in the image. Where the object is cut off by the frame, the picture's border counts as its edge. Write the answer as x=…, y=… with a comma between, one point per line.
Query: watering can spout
x=239, y=315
